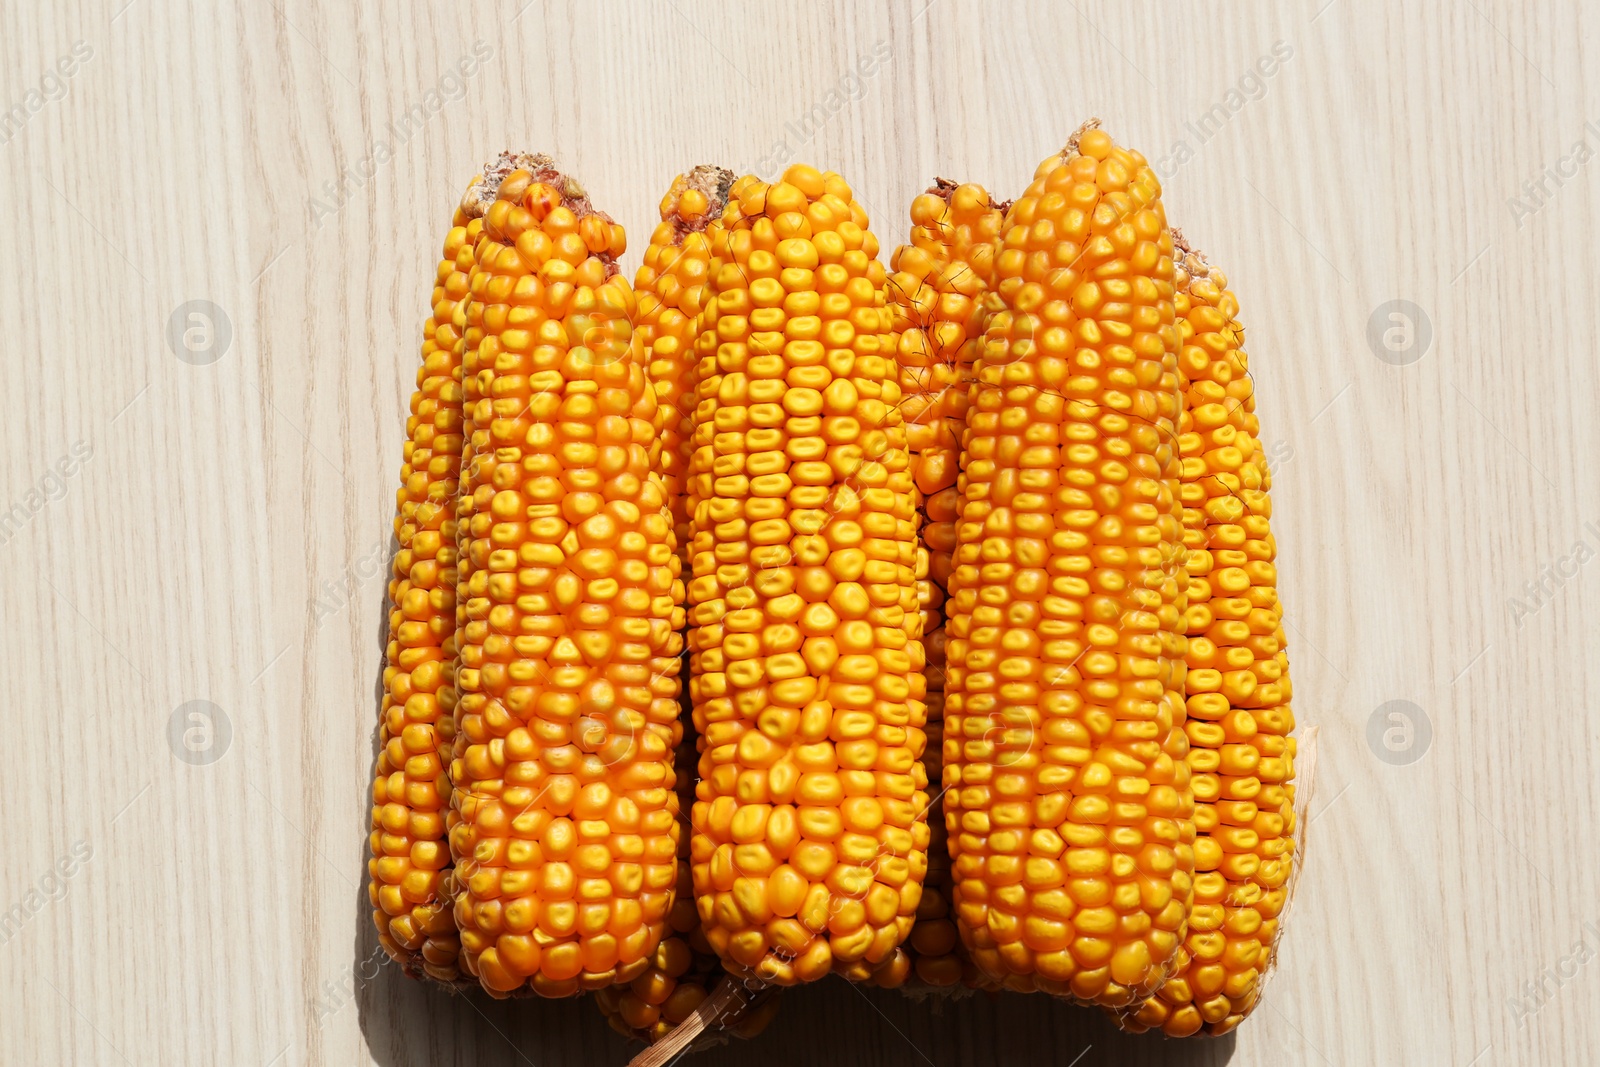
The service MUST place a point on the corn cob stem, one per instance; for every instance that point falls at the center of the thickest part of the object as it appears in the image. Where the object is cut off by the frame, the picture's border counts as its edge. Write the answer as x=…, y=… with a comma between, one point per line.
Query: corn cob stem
x=410, y=866
x=734, y=1007
x=1239, y=720
x=1068, y=801
x=563, y=827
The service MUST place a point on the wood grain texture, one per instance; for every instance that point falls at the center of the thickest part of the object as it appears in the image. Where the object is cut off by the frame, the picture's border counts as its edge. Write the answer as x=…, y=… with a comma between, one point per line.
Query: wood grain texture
x=226, y=538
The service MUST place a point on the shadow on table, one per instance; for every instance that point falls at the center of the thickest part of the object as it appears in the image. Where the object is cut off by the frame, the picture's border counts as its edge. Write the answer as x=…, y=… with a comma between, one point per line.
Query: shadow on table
x=832, y=1023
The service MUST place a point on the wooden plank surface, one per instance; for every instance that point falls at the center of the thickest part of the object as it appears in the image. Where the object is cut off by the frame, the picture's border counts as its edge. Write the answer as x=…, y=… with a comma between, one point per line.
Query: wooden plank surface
x=215, y=527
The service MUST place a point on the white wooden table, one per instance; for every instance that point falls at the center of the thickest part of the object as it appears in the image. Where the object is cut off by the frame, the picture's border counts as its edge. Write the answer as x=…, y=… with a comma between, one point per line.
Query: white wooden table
x=206, y=518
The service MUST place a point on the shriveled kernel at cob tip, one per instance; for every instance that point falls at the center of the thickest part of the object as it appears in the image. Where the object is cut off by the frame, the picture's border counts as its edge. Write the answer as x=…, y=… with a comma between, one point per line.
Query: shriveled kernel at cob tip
x=936, y=294
x=809, y=847
x=1241, y=751
x=1068, y=801
x=410, y=865
x=563, y=827
x=671, y=286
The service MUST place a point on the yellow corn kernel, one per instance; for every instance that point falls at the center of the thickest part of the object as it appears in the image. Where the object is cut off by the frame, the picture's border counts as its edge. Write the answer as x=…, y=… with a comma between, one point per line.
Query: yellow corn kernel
x=1245, y=848
x=936, y=296
x=567, y=619
x=410, y=869
x=1064, y=695
x=805, y=632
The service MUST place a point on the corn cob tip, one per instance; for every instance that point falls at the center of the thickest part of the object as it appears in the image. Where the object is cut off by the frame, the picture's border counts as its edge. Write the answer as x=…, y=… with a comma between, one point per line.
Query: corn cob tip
x=712, y=182
x=696, y=199
x=538, y=168
x=945, y=189
x=1090, y=123
x=1186, y=258
x=481, y=193
x=1189, y=263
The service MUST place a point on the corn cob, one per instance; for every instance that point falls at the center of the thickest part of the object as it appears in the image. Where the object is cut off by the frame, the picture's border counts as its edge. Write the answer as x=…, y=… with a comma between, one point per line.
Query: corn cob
x=1241, y=754
x=809, y=848
x=1068, y=801
x=936, y=294
x=563, y=829
x=410, y=864
x=671, y=286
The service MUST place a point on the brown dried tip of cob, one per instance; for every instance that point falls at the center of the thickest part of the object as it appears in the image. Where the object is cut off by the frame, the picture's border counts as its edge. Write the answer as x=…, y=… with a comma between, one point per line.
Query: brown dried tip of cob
x=1190, y=262
x=712, y=183
x=944, y=188
x=540, y=168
